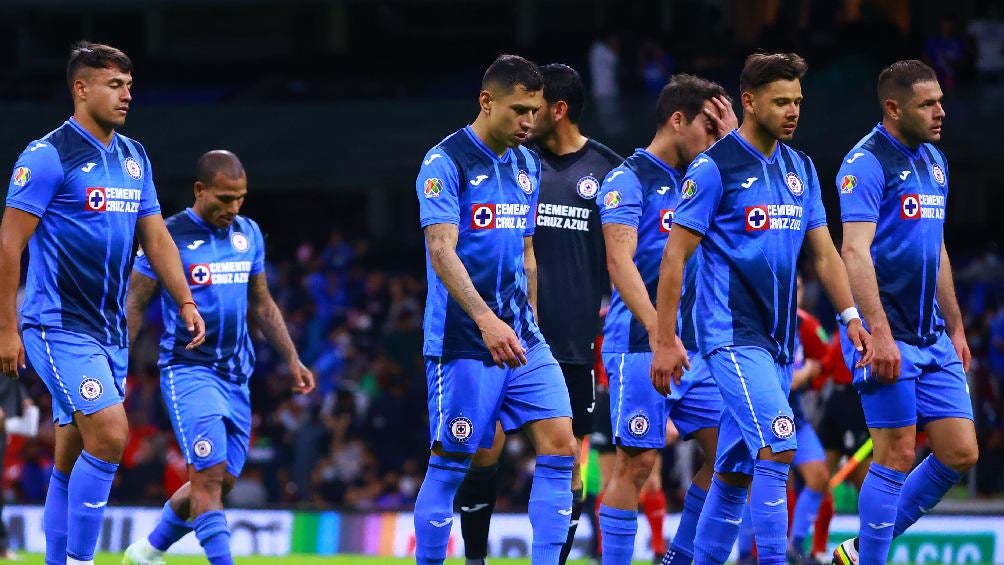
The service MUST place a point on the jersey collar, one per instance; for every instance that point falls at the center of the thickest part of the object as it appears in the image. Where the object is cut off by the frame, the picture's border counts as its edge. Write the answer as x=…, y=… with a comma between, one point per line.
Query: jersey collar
x=911, y=153
x=769, y=159
x=93, y=140
x=487, y=151
x=197, y=219
x=658, y=162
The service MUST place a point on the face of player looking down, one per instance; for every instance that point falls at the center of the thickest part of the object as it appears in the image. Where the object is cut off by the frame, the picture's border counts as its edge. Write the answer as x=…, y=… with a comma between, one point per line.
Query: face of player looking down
x=694, y=136
x=921, y=115
x=511, y=115
x=775, y=107
x=105, y=95
x=218, y=203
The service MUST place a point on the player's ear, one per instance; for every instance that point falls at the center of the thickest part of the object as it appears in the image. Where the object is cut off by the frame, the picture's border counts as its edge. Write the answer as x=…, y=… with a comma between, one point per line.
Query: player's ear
x=747, y=100
x=198, y=188
x=677, y=120
x=559, y=109
x=485, y=99
x=891, y=107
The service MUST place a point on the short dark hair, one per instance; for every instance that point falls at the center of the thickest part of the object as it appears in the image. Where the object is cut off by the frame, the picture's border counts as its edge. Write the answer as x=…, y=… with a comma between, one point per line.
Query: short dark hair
x=95, y=56
x=687, y=94
x=509, y=70
x=562, y=82
x=762, y=69
x=897, y=80
x=218, y=161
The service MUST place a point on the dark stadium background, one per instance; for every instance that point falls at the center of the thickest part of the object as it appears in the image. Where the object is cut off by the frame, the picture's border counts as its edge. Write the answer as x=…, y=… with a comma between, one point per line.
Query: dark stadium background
x=331, y=105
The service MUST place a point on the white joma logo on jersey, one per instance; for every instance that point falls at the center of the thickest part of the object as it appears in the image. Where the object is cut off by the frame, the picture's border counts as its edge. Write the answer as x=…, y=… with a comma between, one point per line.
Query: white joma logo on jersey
x=38, y=145
x=445, y=522
x=431, y=158
x=749, y=182
x=664, y=189
x=903, y=175
x=614, y=175
x=475, y=508
x=87, y=168
x=854, y=157
x=699, y=162
x=195, y=244
x=478, y=180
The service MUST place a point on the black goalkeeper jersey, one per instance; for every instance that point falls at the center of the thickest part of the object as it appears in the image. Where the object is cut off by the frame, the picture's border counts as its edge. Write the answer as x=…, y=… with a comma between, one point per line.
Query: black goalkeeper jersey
x=568, y=244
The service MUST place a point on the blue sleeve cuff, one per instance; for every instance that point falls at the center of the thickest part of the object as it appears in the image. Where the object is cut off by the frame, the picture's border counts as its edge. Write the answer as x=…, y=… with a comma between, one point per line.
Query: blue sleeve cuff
x=426, y=222
x=690, y=225
x=26, y=207
x=859, y=218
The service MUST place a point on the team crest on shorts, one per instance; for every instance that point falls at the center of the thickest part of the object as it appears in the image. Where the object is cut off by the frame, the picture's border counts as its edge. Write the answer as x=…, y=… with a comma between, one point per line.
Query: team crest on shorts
x=133, y=168
x=783, y=427
x=794, y=184
x=587, y=187
x=938, y=174
x=638, y=425
x=91, y=389
x=848, y=183
x=202, y=447
x=461, y=429
x=239, y=241
x=523, y=178
x=22, y=175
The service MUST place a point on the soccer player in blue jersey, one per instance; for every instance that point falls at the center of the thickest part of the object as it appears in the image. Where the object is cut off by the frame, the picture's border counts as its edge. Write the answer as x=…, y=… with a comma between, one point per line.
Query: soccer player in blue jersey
x=77, y=199
x=893, y=187
x=749, y=201
x=484, y=354
x=637, y=200
x=206, y=391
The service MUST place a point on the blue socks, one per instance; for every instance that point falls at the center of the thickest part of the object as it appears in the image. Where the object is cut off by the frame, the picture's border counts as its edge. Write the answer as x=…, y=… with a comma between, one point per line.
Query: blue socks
x=806, y=510
x=746, y=534
x=618, y=528
x=434, y=508
x=769, y=509
x=214, y=537
x=923, y=489
x=550, y=507
x=682, y=545
x=170, y=529
x=54, y=518
x=877, y=504
x=719, y=523
x=88, y=488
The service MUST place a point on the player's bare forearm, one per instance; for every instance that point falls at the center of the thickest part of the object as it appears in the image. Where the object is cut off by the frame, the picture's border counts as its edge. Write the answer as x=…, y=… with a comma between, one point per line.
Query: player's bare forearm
x=164, y=257
x=621, y=242
x=857, y=256
x=441, y=242
x=268, y=317
x=947, y=300
x=830, y=268
x=141, y=290
x=530, y=266
x=680, y=246
x=15, y=231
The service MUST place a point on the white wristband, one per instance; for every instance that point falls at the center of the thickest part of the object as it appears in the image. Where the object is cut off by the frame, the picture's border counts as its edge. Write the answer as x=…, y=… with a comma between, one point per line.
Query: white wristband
x=849, y=314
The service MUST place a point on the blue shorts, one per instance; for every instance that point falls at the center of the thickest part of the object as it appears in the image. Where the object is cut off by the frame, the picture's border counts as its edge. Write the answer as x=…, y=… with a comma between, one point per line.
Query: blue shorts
x=211, y=416
x=754, y=391
x=467, y=397
x=931, y=386
x=638, y=413
x=81, y=373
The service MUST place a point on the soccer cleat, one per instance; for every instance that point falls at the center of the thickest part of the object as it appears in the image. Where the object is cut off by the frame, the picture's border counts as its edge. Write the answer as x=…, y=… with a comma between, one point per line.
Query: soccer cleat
x=9, y=555
x=846, y=553
x=139, y=553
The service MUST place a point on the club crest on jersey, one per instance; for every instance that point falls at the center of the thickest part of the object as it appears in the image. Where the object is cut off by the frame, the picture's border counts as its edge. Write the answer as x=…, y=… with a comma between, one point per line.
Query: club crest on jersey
x=461, y=429
x=612, y=199
x=482, y=216
x=239, y=241
x=938, y=174
x=433, y=187
x=199, y=274
x=848, y=183
x=665, y=221
x=794, y=184
x=757, y=218
x=783, y=427
x=22, y=175
x=91, y=389
x=133, y=169
x=689, y=189
x=909, y=207
x=638, y=425
x=523, y=178
x=587, y=187
x=96, y=199
x=202, y=447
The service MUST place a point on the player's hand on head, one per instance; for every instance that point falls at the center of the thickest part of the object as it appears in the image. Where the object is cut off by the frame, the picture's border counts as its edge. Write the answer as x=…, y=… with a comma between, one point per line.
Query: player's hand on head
x=723, y=117
x=195, y=324
x=501, y=341
x=11, y=353
x=303, y=379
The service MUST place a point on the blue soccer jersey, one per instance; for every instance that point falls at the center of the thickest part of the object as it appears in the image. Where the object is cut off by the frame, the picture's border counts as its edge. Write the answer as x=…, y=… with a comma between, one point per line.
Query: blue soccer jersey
x=904, y=192
x=219, y=263
x=643, y=193
x=492, y=200
x=753, y=212
x=88, y=197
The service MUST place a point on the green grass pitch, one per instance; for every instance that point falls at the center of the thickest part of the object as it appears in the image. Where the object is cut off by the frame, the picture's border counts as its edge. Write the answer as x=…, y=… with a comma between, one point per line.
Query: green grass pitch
x=116, y=559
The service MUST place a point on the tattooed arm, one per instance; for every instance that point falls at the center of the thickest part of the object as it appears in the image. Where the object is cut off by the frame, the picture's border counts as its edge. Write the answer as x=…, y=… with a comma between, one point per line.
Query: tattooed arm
x=266, y=314
x=141, y=290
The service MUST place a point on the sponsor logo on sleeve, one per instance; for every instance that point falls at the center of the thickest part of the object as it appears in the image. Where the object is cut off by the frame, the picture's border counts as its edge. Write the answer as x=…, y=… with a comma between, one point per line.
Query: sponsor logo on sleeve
x=21, y=176
x=612, y=199
x=689, y=189
x=433, y=187
x=848, y=183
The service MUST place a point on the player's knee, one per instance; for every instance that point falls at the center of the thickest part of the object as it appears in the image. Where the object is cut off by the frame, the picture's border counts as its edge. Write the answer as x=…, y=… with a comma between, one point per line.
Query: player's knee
x=815, y=475
x=485, y=458
x=637, y=466
x=228, y=483
x=961, y=458
x=768, y=454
